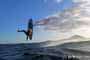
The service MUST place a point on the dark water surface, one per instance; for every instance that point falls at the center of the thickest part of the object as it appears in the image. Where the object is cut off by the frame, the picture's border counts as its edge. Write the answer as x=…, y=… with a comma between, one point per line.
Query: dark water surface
x=35, y=52
x=24, y=52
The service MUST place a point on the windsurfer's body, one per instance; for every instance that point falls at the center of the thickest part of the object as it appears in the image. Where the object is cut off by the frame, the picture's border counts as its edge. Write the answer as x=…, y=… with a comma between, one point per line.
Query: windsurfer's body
x=29, y=32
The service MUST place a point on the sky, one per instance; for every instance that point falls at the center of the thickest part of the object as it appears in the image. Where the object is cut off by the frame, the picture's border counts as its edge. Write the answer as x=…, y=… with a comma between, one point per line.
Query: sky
x=74, y=20
x=14, y=14
x=65, y=18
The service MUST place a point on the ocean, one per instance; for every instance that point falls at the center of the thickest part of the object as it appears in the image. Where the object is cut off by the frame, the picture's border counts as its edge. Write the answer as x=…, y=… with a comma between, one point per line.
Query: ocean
x=33, y=51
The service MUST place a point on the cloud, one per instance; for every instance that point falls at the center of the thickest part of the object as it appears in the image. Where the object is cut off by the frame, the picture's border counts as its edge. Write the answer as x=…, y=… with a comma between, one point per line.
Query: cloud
x=57, y=1
x=66, y=21
x=45, y=1
x=75, y=19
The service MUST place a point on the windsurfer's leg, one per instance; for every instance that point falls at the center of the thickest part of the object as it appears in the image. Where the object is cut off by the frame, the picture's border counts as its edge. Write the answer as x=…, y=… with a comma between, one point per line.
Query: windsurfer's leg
x=27, y=38
x=30, y=37
x=22, y=31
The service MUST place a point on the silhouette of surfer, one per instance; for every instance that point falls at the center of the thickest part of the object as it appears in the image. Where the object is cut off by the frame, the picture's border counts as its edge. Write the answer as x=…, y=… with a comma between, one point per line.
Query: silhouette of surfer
x=29, y=31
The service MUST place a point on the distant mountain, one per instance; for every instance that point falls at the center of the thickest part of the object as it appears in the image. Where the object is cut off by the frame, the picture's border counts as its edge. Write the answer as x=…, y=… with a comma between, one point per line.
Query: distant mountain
x=76, y=37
